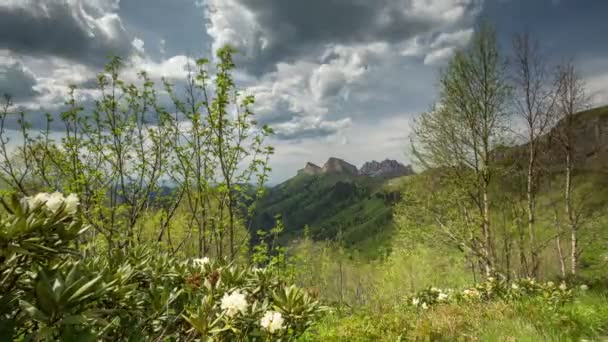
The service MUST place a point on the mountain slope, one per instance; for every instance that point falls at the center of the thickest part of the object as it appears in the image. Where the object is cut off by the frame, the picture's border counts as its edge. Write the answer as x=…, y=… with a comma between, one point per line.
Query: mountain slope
x=332, y=199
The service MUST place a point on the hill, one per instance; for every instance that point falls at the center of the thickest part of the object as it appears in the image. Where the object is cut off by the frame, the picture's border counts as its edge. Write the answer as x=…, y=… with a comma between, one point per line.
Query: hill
x=335, y=198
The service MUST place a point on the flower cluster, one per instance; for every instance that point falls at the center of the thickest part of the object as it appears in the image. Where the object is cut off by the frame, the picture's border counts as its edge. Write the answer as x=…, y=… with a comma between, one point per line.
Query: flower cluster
x=234, y=303
x=272, y=321
x=54, y=202
x=431, y=296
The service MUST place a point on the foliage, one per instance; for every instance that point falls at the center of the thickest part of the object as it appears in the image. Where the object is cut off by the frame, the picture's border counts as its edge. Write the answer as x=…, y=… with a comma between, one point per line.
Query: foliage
x=53, y=290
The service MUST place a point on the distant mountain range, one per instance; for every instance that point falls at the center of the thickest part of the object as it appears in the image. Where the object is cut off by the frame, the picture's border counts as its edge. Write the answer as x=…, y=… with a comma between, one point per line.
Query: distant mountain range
x=385, y=169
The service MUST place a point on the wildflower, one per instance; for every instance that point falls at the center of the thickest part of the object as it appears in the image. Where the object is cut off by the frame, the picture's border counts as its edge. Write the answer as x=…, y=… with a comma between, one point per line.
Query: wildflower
x=38, y=200
x=442, y=297
x=200, y=261
x=563, y=287
x=71, y=204
x=272, y=321
x=415, y=301
x=424, y=306
x=234, y=303
x=584, y=287
x=54, y=201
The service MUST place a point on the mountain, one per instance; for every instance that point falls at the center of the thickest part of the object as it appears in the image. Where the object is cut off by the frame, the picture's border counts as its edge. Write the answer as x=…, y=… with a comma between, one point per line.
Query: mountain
x=386, y=169
x=333, y=198
x=339, y=166
x=310, y=169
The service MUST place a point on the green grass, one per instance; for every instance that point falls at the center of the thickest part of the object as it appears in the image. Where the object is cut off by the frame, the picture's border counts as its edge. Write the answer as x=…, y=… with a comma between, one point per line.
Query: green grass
x=584, y=318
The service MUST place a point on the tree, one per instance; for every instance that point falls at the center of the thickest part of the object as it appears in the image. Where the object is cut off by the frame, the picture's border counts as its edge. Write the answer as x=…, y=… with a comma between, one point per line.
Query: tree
x=119, y=154
x=535, y=100
x=461, y=132
x=571, y=100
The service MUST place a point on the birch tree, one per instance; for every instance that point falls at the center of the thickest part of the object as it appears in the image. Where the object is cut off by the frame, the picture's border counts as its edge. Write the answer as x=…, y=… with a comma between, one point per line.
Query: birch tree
x=461, y=132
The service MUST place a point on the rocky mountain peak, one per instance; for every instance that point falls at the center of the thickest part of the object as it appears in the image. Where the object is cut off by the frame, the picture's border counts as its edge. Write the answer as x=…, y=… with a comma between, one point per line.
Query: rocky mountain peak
x=311, y=169
x=387, y=169
x=336, y=165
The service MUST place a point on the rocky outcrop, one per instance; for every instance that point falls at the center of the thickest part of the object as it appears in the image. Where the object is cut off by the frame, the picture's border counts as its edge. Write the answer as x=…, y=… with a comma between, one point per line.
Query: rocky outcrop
x=311, y=170
x=386, y=169
x=339, y=166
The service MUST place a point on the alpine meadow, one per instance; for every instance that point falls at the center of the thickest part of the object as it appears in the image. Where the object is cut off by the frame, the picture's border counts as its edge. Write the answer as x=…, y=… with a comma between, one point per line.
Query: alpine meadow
x=148, y=195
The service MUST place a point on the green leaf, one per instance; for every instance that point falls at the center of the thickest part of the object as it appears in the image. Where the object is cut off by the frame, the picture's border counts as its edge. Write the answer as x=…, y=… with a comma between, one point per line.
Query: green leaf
x=33, y=312
x=81, y=291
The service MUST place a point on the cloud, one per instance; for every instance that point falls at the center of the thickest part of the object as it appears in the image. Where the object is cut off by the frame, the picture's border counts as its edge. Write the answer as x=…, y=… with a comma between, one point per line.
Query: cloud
x=310, y=60
x=17, y=80
x=273, y=31
x=83, y=31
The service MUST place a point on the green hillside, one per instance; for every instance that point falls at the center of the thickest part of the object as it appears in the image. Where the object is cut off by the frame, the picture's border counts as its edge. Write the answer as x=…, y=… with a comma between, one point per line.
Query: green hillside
x=358, y=206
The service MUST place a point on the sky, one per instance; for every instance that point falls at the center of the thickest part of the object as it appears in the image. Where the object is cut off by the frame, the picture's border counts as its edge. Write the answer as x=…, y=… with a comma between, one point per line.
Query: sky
x=341, y=78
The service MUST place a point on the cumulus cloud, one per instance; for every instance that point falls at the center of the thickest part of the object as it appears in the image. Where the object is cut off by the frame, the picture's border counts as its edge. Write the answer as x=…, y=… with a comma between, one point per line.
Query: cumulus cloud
x=308, y=57
x=83, y=31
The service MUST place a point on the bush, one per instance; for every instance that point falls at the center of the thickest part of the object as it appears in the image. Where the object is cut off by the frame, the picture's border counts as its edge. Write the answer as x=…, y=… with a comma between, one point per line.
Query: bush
x=51, y=289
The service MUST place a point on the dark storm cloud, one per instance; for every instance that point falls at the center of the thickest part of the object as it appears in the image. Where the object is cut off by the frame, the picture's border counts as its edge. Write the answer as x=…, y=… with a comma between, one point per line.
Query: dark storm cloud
x=62, y=28
x=17, y=81
x=283, y=30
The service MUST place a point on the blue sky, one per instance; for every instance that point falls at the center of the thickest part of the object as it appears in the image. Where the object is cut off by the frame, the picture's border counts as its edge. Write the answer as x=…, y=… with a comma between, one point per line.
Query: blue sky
x=337, y=78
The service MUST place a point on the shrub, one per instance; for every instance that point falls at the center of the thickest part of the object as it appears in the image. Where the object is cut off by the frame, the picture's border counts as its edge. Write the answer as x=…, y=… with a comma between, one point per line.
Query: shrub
x=53, y=290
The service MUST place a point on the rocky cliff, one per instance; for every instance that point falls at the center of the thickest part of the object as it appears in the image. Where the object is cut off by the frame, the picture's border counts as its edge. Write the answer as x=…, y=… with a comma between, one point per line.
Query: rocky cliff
x=386, y=169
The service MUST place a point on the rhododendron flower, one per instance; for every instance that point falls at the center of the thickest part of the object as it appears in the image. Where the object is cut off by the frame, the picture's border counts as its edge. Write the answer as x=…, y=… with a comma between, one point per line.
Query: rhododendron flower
x=201, y=261
x=234, y=303
x=55, y=201
x=272, y=321
x=71, y=204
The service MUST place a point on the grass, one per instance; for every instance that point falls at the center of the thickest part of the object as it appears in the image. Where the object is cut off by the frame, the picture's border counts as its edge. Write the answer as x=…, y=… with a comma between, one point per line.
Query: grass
x=586, y=318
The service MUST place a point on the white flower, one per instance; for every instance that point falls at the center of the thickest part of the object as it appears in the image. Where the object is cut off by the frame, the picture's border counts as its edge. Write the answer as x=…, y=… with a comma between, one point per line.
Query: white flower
x=424, y=306
x=272, y=321
x=563, y=287
x=201, y=261
x=71, y=204
x=54, y=201
x=415, y=301
x=234, y=303
x=38, y=200
x=584, y=287
x=442, y=297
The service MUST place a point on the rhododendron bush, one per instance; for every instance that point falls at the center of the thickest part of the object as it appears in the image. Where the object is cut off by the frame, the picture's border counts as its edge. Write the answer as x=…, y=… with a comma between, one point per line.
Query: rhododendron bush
x=52, y=289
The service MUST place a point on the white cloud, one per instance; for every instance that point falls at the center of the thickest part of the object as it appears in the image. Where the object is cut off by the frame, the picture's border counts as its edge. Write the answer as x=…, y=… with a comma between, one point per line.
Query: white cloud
x=307, y=73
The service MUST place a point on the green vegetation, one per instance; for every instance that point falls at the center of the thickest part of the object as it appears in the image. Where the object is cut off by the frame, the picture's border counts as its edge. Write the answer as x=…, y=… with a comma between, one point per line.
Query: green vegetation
x=357, y=207
x=169, y=232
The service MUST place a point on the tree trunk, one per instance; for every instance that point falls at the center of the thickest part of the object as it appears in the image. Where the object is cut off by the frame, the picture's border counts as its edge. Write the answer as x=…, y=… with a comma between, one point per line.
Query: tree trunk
x=570, y=213
x=530, y=194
